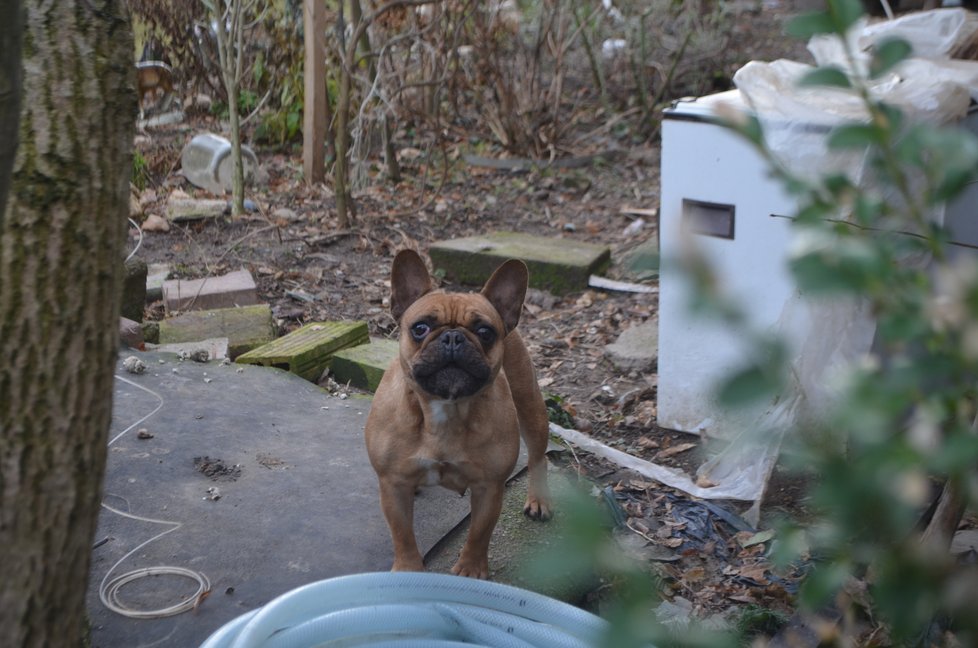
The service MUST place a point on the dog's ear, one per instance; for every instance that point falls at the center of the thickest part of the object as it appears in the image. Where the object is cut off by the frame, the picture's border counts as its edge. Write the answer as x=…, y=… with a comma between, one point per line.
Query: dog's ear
x=506, y=290
x=409, y=281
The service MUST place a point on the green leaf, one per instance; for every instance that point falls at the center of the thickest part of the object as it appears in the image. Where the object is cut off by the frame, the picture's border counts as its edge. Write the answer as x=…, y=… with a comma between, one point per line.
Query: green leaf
x=845, y=13
x=811, y=24
x=887, y=54
x=830, y=76
x=855, y=136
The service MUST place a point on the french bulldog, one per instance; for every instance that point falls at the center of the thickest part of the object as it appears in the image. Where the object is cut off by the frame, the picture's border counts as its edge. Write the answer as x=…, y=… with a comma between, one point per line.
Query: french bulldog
x=452, y=406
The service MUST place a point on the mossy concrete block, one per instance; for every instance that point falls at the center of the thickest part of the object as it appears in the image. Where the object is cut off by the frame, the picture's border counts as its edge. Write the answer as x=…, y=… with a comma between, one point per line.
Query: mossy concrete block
x=307, y=351
x=134, y=290
x=363, y=366
x=245, y=328
x=557, y=265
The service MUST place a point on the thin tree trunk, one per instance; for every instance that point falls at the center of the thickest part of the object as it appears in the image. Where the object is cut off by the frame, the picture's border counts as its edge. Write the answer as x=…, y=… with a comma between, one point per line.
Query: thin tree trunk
x=61, y=264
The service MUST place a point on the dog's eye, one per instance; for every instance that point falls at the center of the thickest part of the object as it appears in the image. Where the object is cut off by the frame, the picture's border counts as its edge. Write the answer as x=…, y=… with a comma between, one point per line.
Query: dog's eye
x=419, y=330
x=486, y=334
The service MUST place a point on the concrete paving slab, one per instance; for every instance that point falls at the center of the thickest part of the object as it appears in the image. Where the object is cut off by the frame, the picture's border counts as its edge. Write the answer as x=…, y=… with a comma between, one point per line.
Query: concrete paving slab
x=225, y=291
x=556, y=264
x=363, y=366
x=245, y=328
x=297, y=501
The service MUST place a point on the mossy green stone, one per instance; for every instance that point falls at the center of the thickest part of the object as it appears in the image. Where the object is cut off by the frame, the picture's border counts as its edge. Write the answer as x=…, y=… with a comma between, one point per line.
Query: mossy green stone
x=642, y=262
x=307, y=351
x=363, y=366
x=245, y=327
x=558, y=265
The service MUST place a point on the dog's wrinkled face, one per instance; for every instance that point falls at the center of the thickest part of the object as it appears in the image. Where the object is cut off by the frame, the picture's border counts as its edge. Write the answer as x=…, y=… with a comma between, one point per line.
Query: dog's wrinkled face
x=451, y=344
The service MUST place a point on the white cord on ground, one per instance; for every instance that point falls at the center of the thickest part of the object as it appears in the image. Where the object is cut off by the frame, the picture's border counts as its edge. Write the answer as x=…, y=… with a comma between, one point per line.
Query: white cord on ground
x=139, y=243
x=108, y=590
x=411, y=609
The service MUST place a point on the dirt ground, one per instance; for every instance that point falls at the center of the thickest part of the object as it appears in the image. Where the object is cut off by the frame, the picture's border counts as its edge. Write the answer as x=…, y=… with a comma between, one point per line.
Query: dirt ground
x=309, y=269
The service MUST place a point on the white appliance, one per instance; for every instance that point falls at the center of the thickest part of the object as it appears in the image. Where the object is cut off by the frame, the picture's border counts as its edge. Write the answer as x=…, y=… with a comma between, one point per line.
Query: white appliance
x=717, y=193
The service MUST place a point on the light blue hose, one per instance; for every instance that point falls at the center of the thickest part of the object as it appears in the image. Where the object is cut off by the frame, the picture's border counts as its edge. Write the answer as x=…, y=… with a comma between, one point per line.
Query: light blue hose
x=408, y=609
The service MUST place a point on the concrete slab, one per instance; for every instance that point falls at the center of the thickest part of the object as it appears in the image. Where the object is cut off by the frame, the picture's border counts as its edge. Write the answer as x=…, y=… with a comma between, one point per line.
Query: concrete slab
x=363, y=366
x=297, y=501
x=307, y=351
x=558, y=265
x=225, y=291
x=245, y=328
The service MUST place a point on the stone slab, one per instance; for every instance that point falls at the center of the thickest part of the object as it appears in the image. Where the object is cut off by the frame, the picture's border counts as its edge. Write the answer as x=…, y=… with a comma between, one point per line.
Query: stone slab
x=556, y=264
x=306, y=351
x=245, y=328
x=637, y=348
x=363, y=366
x=224, y=291
x=299, y=503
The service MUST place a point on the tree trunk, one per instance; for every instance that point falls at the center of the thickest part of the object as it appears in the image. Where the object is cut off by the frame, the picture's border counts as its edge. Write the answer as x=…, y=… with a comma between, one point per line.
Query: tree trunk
x=61, y=264
x=11, y=72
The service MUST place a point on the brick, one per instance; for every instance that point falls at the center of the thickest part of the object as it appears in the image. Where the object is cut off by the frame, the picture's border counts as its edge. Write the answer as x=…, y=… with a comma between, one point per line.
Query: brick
x=557, y=265
x=233, y=289
x=363, y=366
x=307, y=351
x=179, y=210
x=245, y=328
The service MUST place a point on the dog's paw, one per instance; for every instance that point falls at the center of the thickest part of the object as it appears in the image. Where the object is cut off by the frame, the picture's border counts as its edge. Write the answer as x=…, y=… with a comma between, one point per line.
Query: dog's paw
x=537, y=508
x=472, y=568
x=408, y=565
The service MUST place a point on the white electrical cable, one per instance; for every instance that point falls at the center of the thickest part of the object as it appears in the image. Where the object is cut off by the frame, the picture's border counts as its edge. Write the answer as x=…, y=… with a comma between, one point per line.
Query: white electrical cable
x=407, y=609
x=139, y=242
x=108, y=590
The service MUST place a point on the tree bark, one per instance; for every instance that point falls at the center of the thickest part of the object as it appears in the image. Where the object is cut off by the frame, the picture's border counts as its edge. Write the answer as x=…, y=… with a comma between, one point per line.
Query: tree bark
x=11, y=72
x=61, y=264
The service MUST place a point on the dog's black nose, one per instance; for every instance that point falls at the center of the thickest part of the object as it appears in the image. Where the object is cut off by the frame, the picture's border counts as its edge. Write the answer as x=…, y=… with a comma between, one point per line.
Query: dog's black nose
x=452, y=341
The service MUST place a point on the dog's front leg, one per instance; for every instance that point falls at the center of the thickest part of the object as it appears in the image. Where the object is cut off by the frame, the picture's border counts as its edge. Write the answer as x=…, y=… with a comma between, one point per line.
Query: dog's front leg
x=397, y=502
x=487, y=503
